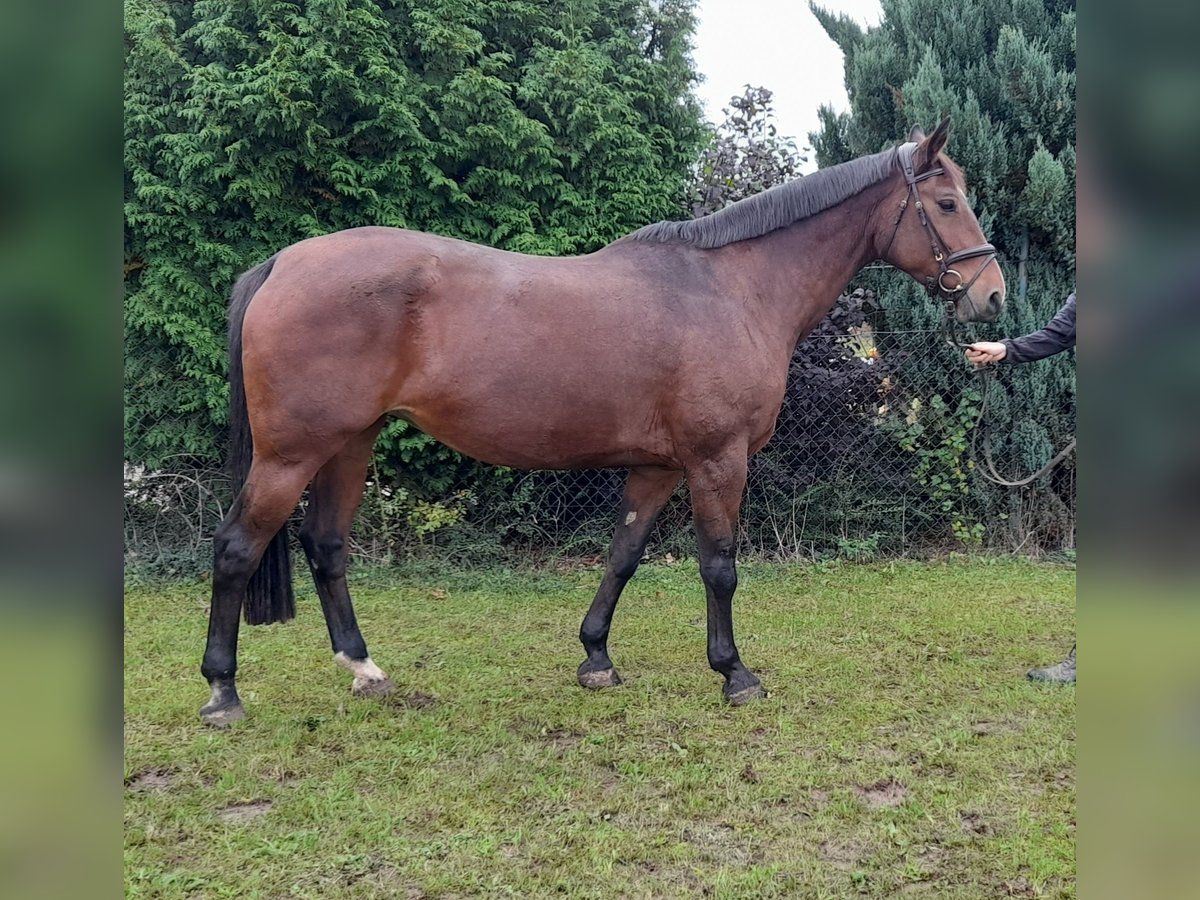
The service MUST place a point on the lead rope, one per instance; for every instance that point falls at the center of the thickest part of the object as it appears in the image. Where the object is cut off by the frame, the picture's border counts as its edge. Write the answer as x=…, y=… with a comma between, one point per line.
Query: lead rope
x=986, y=374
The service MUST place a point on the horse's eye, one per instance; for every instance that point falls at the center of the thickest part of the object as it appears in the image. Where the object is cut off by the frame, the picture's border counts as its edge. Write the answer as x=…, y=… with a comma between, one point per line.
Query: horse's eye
x=947, y=205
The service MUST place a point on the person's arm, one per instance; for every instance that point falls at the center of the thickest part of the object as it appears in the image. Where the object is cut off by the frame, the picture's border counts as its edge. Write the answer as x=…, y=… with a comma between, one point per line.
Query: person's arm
x=1056, y=337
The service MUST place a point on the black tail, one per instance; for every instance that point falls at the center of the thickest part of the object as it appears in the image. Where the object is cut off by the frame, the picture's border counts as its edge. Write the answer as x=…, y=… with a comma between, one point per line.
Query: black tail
x=269, y=596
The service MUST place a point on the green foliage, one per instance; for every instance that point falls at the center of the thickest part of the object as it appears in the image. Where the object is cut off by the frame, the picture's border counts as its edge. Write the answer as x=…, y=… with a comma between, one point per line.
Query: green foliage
x=1005, y=71
x=939, y=438
x=540, y=128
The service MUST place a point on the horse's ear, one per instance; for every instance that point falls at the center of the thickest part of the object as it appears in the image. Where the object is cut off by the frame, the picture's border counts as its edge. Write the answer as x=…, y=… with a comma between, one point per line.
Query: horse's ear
x=931, y=146
x=916, y=135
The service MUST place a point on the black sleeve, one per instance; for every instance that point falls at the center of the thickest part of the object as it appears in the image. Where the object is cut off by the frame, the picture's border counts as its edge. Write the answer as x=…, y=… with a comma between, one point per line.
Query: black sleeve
x=1056, y=337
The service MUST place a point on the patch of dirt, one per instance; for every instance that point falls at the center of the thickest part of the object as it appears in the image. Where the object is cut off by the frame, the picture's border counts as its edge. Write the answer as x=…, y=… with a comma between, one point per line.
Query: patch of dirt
x=882, y=794
x=419, y=701
x=682, y=881
x=938, y=770
x=985, y=726
x=416, y=700
x=818, y=799
x=801, y=806
x=244, y=812
x=151, y=780
x=562, y=738
x=750, y=775
x=720, y=843
x=972, y=823
x=1019, y=887
x=1062, y=780
x=931, y=856
x=840, y=854
x=606, y=775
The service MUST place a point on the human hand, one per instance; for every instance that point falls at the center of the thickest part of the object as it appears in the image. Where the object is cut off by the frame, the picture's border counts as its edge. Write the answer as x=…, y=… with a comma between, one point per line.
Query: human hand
x=983, y=352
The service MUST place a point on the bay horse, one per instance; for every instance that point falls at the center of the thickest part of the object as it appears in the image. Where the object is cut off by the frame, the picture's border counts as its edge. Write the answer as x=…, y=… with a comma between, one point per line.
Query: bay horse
x=665, y=352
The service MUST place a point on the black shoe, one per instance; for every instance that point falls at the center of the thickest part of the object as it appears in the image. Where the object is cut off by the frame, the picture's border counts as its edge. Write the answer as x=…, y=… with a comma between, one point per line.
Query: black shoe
x=1062, y=673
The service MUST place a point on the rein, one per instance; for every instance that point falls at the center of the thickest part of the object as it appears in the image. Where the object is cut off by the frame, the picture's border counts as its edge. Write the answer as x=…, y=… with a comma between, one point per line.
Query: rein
x=981, y=426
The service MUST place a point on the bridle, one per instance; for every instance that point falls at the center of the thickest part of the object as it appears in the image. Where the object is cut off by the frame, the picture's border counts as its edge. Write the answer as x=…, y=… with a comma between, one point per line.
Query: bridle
x=937, y=286
x=951, y=294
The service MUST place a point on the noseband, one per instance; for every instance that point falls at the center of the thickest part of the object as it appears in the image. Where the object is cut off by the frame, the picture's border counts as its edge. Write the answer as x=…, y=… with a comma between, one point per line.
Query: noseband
x=949, y=284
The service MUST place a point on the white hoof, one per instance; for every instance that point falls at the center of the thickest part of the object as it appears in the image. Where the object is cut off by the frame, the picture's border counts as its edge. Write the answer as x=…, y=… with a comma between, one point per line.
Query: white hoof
x=369, y=679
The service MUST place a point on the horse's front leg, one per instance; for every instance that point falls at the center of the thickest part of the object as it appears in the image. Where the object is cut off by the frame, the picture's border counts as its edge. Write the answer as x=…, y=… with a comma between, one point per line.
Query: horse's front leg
x=716, y=488
x=646, y=492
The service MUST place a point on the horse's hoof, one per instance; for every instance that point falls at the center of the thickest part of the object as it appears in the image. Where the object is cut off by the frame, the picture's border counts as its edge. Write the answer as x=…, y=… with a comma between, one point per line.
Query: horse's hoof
x=372, y=687
x=596, y=680
x=742, y=696
x=369, y=679
x=222, y=716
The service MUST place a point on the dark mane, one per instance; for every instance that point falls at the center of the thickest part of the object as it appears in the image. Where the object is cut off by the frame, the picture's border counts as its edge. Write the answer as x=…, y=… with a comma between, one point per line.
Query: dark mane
x=776, y=207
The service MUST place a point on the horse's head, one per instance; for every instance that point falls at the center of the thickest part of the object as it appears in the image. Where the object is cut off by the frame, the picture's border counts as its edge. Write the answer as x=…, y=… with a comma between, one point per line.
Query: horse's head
x=927, y=228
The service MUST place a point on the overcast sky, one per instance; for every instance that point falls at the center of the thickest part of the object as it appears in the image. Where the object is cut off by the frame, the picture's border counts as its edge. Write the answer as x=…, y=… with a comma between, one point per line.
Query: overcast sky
x=777, y=44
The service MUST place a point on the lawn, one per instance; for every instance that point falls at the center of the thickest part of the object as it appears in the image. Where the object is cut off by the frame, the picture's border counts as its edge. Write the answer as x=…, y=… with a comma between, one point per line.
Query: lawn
x=901, y=750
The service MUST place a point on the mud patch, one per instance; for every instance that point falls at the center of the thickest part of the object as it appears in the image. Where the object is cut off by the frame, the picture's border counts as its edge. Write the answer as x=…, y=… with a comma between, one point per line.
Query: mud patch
x=882, y=794
x=1019, y=887
x=986, y=727
x=972, y=823
x=840, y=854
x=931, y=856
x=244, y=812
x=151, y=780
x=749, y=775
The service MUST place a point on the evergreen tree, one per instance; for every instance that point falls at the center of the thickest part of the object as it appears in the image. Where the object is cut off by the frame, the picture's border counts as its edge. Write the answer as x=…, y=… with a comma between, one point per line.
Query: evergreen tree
x=1005, y=71
x=539, y=127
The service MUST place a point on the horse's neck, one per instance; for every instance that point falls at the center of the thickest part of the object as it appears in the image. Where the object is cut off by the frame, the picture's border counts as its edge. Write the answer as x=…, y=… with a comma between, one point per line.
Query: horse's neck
x=799, y=271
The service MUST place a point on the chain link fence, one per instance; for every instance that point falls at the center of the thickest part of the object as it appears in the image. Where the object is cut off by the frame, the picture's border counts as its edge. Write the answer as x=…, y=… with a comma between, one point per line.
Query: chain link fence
x=871, y=458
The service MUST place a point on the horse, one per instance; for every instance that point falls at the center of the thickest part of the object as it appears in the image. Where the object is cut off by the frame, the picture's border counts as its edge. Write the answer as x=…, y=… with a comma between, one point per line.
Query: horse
x=665, y=352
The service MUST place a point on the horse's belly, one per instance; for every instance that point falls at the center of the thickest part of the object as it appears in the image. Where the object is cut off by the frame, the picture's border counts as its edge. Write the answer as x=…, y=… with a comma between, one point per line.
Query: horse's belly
x=529, y=436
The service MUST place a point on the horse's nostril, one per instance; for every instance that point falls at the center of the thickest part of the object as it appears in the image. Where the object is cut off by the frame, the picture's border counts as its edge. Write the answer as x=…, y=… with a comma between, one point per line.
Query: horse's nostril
x=995, y=301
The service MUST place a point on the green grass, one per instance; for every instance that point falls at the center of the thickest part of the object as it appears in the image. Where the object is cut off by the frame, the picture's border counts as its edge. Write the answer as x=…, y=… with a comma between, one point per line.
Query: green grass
x=490, y=773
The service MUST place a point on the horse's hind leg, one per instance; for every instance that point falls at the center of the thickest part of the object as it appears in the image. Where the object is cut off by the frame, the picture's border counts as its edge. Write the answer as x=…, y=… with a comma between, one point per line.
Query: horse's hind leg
x=272, y=489
x=646, y=492
x=332, y=501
